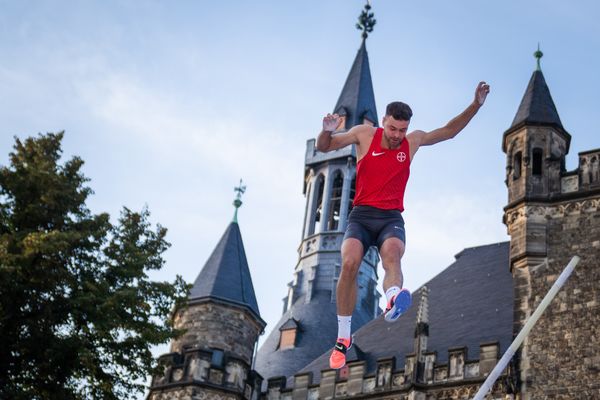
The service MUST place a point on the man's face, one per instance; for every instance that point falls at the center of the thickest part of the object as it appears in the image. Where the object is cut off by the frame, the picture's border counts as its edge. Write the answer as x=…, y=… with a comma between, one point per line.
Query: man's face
x=394, y=131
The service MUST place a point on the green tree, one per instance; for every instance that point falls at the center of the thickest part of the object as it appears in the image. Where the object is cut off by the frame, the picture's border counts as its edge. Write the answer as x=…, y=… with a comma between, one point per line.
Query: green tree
x=78, y=313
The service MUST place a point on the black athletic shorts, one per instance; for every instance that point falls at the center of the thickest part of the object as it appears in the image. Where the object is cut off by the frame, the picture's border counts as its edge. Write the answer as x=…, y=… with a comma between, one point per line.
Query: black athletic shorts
x=373, y=225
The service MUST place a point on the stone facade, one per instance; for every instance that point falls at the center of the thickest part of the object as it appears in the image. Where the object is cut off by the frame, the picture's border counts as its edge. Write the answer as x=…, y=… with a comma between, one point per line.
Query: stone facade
x=553, y=215
x=561, y=357
x=191, y=393
x=213, y=358
x=238, y=329
x=460, y=378
x=203, y=373
x=528, y=151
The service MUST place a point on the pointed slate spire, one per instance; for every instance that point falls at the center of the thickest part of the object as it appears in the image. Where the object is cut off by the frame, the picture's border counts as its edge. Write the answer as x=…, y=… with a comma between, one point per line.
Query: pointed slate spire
x=357, y=100
x=537, y=106
x=226, y=275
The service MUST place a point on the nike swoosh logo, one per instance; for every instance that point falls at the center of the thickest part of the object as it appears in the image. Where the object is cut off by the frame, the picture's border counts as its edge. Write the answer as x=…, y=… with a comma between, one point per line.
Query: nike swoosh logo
x=377, y=154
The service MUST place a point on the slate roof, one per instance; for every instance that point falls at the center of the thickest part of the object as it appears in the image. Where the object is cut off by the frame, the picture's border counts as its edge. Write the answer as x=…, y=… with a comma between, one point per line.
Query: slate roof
x=317, y=330
x=357, y=100
x=226, y=275
x=537, y=107
x=470, y=303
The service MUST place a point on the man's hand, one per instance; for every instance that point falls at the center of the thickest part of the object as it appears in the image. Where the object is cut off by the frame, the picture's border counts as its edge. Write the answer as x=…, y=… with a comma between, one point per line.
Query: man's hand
x=481, y=93
x=331, y=122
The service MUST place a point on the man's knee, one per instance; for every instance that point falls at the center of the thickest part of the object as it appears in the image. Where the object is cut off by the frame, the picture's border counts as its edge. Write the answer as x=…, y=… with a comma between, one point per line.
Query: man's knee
x=351, y=265
x=352, y=254
x=391, y=251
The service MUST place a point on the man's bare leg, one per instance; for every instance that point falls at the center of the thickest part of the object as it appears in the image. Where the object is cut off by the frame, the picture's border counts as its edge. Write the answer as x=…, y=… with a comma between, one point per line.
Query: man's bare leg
x=391, y=253
x=398, y=299
x=352, y=254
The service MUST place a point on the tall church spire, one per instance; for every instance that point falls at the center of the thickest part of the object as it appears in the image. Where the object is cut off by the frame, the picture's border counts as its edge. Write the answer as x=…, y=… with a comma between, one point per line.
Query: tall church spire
x=308, y=325
x=357, y=100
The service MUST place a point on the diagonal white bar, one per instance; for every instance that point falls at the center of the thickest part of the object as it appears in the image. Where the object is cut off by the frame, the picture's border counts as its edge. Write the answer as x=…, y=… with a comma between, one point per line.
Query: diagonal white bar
x=487, y=385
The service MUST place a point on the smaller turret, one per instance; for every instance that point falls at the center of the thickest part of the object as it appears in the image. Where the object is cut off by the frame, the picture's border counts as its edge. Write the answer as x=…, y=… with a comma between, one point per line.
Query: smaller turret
x=221, y=326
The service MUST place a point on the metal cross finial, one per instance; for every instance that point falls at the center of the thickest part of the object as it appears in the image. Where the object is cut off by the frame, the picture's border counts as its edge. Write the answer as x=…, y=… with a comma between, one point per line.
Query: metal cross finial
x=366, y=22
x=538, y=54
x=237, y=203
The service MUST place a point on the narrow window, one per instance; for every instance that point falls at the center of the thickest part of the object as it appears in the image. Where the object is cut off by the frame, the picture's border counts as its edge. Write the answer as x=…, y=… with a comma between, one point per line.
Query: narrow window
x=537, y=162
x=318, y=203
x=594, y=170
x=517, y=166
x=217, y=358
x=336, y=201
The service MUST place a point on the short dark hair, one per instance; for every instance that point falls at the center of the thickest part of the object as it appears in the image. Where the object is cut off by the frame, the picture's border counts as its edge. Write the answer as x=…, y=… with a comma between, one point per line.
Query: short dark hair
x=399, y=110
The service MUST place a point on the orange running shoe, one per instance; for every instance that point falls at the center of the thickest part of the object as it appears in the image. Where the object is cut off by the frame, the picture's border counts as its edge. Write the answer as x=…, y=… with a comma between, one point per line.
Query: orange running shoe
x=338, y=356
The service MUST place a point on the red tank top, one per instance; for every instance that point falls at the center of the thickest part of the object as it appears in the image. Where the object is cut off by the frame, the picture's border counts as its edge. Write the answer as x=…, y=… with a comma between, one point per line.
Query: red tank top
x=381, y=175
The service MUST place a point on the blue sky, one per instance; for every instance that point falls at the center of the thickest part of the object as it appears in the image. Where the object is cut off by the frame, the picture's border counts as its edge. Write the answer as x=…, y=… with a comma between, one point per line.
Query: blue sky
x=171, y=103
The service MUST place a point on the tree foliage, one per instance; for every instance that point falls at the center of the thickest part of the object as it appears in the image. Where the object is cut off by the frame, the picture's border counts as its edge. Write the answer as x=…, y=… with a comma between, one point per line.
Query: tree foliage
x=78, y=312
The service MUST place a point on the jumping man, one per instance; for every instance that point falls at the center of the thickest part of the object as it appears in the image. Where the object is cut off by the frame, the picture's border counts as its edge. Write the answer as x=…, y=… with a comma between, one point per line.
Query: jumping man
x=382, y=169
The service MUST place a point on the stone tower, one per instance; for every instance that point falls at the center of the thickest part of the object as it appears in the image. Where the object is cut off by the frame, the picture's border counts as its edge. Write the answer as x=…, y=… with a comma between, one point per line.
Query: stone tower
x=308, y=326
x=213, y=358
x=552, y=215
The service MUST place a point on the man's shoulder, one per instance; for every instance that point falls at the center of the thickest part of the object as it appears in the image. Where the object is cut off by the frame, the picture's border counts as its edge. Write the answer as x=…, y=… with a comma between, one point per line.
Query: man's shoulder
x=416, y=133
x=415, y=136
x=364, y=130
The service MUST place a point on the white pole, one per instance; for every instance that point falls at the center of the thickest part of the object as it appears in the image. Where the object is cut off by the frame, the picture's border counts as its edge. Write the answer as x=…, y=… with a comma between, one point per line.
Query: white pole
x=487, y=385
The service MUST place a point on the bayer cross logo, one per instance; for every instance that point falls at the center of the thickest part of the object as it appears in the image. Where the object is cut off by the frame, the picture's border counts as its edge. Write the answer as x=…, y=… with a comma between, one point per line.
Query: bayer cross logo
x=401, y=156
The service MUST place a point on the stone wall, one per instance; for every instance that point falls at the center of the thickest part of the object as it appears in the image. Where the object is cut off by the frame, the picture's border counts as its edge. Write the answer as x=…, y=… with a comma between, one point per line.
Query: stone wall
x=204, y=374
x=218, y=326
x=460, y=378
x=563, y=349
x=191, y=393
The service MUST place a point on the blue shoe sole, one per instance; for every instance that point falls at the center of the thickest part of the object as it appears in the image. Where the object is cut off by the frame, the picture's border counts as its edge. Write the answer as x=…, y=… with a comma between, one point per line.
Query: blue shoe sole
x=401, y=304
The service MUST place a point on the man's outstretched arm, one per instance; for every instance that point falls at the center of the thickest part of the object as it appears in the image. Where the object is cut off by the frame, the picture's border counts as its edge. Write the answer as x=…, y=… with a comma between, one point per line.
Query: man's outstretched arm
x=456, y=124
x=327, y=141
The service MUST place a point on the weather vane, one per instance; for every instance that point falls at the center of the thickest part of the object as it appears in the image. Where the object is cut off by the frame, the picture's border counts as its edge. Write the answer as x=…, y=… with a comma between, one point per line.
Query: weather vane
x=366, y=22
x=538, y=54
x=237, y=203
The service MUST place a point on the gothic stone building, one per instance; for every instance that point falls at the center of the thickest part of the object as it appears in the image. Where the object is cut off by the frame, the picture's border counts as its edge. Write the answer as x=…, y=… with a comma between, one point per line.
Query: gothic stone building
x=442, y=348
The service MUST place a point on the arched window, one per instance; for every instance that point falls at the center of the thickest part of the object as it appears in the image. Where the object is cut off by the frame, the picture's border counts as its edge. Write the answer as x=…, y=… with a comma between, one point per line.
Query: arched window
x=335, y=202
x=517, y=165
x=594, y=170
x=537, y=162
x=318, y=205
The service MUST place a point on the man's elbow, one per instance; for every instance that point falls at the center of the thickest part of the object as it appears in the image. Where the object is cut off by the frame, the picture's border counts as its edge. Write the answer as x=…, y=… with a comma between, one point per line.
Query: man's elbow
x=322, y=145
x=451, y=132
